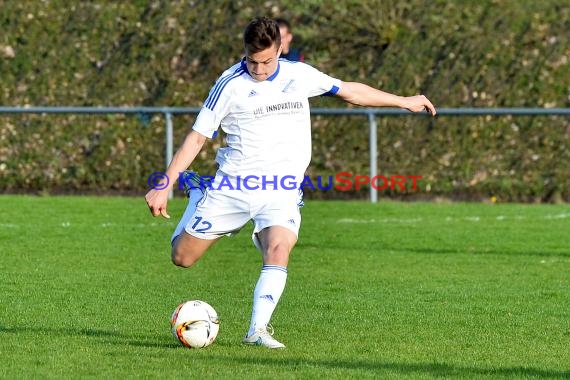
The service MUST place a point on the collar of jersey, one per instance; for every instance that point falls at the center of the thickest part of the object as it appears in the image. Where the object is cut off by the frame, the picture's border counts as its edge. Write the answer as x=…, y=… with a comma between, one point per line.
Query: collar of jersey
x=273, y=76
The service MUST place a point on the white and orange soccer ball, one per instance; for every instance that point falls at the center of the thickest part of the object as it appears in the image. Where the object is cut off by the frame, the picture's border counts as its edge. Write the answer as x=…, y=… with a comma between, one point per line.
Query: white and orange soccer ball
x=195, y=324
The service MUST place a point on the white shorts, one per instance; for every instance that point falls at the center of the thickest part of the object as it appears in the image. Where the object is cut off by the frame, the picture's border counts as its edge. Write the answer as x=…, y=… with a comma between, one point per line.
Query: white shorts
x=224, y=211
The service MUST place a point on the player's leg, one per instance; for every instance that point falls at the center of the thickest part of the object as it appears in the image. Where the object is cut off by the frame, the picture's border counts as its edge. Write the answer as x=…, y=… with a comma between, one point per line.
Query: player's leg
x=275, y=242
x=187, y=249
x=210, y=214
x=195, y=192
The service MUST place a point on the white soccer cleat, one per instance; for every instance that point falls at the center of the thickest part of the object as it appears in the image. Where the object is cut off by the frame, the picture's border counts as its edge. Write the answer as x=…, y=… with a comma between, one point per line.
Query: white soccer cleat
x=261, y=337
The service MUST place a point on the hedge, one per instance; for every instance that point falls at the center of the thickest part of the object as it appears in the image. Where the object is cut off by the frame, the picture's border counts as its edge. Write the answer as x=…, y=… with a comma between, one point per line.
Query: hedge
x=169, y=53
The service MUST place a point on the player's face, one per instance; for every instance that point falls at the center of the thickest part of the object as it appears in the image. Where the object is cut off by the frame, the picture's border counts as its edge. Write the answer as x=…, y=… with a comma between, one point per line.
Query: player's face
x=262, y=65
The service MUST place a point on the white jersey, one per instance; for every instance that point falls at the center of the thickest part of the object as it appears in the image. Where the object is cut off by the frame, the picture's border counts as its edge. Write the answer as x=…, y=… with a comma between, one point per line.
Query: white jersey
x=267, y=123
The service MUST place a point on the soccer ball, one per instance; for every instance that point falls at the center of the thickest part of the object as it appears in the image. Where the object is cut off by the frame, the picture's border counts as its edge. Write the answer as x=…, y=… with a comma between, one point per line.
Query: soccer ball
x=195, y=324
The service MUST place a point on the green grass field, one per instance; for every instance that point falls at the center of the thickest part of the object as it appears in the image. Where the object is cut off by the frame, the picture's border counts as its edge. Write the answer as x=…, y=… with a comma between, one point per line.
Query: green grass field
x=393, y=290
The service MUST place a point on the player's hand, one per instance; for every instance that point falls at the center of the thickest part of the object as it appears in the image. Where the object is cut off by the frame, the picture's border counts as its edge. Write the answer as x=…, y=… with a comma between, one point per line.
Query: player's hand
x=419, y=103
x=156, y=201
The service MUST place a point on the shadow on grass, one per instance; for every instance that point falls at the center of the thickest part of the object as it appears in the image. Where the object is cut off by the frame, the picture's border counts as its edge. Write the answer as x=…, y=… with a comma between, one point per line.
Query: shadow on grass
x=475, y=251
x=471, y=250
x=108, y=336
x=432, y=369
x=105, y=336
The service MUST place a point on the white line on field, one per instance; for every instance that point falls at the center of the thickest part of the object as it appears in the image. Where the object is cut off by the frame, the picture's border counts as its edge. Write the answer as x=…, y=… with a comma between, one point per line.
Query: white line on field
x=382, y=220
x=9, y=225
x=564, y=215
x=474, y=218
x=349, y=220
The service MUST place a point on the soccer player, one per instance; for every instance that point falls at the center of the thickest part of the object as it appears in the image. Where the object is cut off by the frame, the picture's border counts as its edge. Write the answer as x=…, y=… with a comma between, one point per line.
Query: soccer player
x=261, y=103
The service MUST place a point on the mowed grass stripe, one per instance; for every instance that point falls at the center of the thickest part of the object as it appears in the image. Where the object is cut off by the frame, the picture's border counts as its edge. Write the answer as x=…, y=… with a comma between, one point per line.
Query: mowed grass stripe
x=393, y=290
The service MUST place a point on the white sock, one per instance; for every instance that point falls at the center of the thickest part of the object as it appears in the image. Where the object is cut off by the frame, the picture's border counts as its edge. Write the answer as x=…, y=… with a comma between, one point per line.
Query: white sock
x=267, y=292
x=195, y=196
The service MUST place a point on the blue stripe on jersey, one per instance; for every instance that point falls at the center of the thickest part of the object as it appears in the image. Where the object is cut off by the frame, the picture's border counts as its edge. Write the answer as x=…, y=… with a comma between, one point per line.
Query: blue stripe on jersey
x=274, y=75
x=217, y=90
x=332, y=91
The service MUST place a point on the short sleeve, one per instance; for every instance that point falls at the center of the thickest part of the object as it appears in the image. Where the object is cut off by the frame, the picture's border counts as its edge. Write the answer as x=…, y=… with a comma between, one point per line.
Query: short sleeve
x=319, y=82
x=207, y=123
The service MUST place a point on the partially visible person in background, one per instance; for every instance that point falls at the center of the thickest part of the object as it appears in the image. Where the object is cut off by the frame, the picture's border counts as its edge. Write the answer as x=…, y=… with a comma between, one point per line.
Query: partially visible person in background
x=287, y=51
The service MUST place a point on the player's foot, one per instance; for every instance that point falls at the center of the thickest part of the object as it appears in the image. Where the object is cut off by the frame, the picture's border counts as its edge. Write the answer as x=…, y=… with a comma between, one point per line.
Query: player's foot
x=191, y=181
x=262, y=337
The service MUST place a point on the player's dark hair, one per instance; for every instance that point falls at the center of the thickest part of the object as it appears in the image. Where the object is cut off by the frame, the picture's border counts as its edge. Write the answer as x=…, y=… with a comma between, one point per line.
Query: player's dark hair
x=260, y=34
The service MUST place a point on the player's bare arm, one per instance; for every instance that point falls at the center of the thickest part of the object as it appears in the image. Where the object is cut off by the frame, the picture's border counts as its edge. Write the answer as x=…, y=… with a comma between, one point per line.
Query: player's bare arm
x=364, y=95
x=158, y=199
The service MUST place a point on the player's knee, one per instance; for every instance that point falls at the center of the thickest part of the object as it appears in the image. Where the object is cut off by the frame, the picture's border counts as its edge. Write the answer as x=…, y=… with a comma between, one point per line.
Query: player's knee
x=278, y=251
x=181, y=259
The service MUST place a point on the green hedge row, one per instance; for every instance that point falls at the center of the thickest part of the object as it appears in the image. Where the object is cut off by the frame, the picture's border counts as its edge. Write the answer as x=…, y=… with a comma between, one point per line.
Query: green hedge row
x=169, y=53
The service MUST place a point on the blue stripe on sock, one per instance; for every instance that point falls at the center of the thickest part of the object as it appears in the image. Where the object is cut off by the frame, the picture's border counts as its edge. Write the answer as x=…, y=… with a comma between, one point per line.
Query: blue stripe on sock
x=274, y=267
